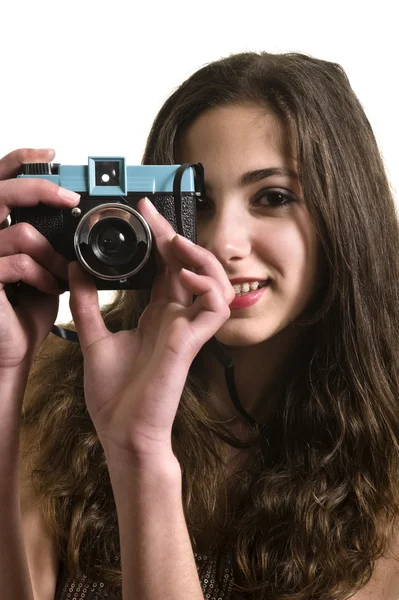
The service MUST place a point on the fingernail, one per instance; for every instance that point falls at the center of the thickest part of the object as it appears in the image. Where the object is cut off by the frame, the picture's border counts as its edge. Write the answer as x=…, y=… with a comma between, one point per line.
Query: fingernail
x=69, y=195
x=150, y=205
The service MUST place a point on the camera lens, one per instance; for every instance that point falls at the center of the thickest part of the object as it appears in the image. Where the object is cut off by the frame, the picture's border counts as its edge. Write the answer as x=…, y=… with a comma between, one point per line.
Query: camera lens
x=110, y=241
x=113, y=241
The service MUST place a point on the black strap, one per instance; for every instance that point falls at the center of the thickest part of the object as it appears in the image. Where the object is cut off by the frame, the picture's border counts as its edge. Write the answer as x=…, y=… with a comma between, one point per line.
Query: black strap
x=65, y=334
x=227, y=362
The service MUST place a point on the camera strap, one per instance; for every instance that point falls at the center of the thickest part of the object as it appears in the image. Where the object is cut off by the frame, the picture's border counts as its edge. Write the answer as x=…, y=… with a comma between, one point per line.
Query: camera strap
x=227, y=362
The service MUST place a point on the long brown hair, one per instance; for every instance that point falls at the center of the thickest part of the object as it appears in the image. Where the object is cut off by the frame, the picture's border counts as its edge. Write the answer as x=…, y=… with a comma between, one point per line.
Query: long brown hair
x=318, y=506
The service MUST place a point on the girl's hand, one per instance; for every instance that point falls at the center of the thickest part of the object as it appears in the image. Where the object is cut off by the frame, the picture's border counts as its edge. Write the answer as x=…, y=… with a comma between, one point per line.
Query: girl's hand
x=133, y=380
x=26, y=255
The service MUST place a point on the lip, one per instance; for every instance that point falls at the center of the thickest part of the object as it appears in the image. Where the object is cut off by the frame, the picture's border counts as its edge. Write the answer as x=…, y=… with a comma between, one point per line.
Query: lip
x=250, y=298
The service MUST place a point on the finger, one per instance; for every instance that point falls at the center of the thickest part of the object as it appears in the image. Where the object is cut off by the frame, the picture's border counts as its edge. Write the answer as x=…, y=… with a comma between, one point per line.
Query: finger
x=204, y=262
x=162, y=231
x=32, y=191
x=167, y=287
x=85, y=307
x=184, y=250
x=21, y=267
x=209, y=310
x=11, y=164
x=24, y=238
x=159, y=285
x=207, y=291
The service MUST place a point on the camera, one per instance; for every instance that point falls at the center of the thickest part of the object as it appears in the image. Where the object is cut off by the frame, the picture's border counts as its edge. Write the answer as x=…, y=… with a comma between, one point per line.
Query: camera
x=105, y=232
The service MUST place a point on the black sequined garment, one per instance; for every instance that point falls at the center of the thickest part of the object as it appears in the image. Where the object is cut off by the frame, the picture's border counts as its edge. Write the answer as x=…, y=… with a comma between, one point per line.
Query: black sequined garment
x=69, y=588
x=72, y=589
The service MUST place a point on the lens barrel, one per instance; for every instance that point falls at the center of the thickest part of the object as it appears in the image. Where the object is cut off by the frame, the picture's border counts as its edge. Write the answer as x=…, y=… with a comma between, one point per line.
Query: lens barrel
x=113, y=241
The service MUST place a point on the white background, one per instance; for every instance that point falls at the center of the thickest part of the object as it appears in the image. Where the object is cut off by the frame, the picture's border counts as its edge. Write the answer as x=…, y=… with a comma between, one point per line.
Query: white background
x=88, y=77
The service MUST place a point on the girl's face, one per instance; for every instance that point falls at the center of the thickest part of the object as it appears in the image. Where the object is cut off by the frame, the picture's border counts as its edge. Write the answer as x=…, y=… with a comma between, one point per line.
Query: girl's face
x=254, y=219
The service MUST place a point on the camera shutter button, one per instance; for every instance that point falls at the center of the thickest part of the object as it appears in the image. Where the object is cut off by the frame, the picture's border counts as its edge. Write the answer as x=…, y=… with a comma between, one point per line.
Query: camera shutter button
x=36, y=169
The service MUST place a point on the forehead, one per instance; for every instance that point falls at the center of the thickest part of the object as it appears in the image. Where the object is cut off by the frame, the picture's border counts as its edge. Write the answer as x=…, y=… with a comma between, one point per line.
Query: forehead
x=247, y=132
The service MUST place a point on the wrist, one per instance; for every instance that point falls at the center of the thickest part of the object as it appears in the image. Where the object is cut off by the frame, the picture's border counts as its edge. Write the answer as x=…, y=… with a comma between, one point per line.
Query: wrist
x=12, y=390
x=13, y=381
x=158, y=462
x=9, y=374
x=144, y=477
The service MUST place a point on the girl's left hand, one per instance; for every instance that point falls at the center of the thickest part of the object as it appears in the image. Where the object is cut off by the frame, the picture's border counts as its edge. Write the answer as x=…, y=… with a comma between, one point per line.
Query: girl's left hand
x=133, y=380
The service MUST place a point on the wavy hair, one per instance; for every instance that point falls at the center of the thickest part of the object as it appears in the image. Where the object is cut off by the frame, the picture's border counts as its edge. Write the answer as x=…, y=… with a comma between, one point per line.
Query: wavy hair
x=318, y=505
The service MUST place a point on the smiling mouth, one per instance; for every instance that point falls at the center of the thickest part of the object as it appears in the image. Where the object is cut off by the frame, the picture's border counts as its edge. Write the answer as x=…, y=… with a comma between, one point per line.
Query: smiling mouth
x=241, y=289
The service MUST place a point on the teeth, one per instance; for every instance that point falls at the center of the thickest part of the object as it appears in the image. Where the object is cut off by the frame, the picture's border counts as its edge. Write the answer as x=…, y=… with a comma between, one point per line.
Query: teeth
x=244, y=288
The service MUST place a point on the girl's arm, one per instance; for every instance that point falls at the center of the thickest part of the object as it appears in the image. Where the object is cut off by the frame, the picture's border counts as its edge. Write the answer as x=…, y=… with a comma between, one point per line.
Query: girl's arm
x=15, y=579
x=27, y=256
x=157, y=557
x=133, y=382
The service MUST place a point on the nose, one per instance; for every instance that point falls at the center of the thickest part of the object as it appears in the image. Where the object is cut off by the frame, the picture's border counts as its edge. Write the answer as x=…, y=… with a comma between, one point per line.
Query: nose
x=227, y=235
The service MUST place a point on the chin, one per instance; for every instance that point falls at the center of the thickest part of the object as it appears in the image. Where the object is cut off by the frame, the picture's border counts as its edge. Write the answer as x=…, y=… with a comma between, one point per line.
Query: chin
x=240, y=333
x=240, y=337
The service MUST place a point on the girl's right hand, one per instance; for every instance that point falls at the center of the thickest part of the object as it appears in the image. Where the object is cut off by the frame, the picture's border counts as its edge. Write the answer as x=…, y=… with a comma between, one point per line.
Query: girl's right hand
x=26, y=255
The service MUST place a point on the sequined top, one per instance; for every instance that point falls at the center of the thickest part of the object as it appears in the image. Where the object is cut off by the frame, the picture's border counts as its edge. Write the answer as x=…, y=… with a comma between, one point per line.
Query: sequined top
x=72, y=589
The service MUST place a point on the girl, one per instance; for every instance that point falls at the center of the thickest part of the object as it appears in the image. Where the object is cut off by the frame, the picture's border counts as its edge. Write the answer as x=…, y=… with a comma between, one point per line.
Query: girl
x=139, y=478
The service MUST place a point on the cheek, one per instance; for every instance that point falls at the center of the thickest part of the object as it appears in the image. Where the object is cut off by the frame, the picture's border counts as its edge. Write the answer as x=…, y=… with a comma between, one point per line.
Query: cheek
x=291, y=250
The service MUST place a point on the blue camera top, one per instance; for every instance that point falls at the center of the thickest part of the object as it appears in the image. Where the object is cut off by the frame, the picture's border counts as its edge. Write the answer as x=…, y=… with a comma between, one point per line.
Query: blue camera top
x=111, y=176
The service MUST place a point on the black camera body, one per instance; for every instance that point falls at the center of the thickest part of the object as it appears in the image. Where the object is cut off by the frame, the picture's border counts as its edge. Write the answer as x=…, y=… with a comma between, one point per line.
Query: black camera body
x=105, y=232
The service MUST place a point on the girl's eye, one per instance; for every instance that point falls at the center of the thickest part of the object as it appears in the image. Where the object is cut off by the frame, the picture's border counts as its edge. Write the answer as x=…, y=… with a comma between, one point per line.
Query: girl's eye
x=274, y=198
x=265, y=198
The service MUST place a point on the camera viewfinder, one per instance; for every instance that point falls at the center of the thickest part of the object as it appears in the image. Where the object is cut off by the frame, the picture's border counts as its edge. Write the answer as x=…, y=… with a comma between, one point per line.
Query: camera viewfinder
x=107, y=173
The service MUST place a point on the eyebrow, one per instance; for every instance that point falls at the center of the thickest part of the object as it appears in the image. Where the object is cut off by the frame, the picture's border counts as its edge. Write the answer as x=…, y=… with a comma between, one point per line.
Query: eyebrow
x=254, y=176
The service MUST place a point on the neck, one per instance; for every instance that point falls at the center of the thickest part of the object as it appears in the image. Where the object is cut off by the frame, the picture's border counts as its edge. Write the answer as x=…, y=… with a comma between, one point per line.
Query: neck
x=256, y=369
